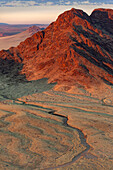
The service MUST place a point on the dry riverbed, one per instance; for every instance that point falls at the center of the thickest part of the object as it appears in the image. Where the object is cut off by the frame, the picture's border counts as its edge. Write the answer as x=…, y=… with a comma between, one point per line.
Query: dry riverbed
x=56, y=130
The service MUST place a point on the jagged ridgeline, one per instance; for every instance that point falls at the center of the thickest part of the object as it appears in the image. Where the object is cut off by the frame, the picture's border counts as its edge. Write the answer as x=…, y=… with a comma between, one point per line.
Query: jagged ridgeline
x=75, y=49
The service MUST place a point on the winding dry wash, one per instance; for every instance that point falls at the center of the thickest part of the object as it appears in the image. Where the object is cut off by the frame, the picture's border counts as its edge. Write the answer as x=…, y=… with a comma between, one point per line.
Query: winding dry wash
x=56, y=130
x=56, y=96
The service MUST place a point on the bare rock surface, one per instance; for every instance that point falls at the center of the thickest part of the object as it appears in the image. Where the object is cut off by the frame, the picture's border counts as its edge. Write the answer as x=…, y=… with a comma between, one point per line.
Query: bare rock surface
x=72, y=50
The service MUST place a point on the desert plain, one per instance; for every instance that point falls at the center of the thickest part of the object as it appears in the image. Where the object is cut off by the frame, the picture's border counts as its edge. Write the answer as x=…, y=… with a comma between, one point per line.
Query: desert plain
x=52, y=129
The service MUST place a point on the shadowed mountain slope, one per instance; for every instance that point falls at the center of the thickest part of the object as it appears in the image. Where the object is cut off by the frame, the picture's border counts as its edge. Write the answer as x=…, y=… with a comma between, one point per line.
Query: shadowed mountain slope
x=103, y=18
x=75, y=49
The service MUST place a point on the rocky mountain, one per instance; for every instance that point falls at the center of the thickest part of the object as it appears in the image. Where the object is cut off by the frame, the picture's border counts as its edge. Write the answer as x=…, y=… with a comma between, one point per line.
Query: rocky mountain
x=14, y=40
x=11, y=29
x=103, y=18
x=75, y=50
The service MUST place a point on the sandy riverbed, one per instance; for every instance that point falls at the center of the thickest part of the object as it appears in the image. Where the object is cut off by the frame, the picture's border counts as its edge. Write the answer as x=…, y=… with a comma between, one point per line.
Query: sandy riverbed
x=79, y=135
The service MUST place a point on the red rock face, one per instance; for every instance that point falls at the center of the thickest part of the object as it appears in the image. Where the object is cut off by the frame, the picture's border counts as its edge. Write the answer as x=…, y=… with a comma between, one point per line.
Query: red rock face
x=76, y=48
x=103, y=18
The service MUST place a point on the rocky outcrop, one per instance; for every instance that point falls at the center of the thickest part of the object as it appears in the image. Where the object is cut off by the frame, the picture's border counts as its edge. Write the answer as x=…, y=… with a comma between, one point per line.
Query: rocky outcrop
x=103, y=18
x=75, y=49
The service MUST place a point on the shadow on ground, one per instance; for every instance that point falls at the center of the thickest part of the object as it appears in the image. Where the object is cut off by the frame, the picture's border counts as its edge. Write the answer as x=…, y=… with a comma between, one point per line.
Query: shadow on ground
x=14, y=85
